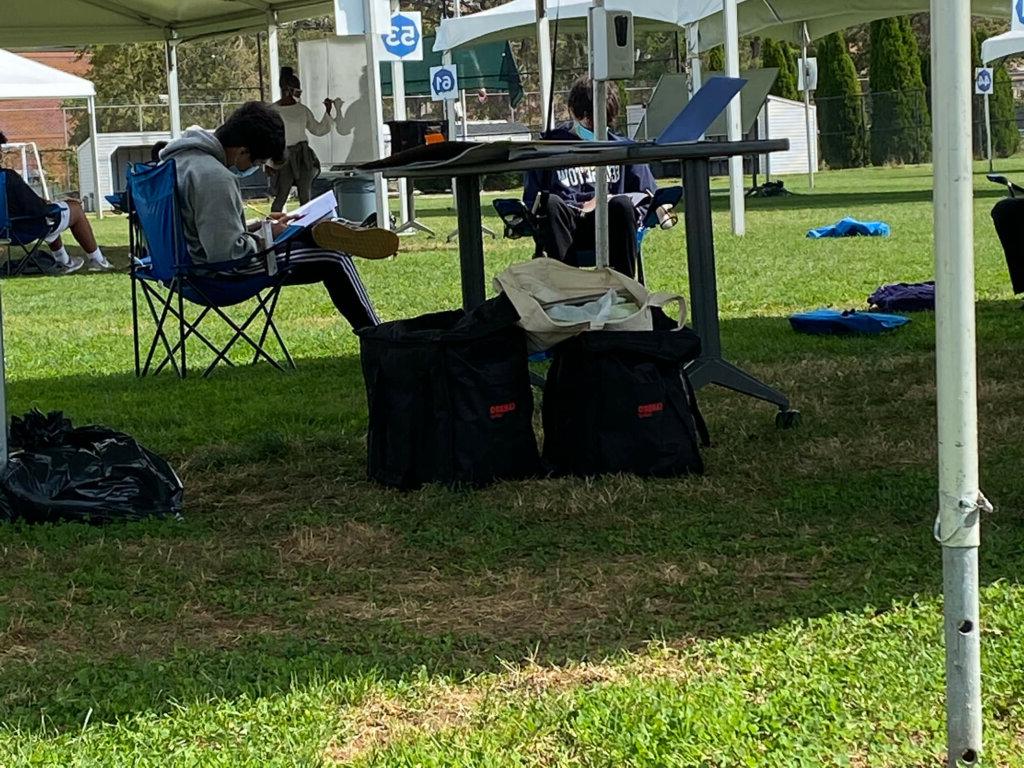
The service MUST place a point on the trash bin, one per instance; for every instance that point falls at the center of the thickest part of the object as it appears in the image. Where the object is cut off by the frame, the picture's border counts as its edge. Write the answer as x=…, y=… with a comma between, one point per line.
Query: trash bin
x=355, y=191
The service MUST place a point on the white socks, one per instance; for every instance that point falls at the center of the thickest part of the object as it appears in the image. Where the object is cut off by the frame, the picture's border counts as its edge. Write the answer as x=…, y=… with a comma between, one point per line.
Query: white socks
x=97, y=256
x=61, y=256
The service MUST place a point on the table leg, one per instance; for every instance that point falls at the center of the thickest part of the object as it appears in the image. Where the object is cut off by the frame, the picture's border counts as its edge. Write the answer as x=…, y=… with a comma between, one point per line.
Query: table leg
x=711, y=367
x=471, y=241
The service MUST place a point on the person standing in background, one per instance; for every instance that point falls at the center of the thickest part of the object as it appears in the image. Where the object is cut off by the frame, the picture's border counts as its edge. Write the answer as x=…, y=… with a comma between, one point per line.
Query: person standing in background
x=301, y=165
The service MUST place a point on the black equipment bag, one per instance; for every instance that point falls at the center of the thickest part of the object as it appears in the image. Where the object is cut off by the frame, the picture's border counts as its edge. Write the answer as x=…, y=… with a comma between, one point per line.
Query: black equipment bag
x=620, y=401
x=449, y=399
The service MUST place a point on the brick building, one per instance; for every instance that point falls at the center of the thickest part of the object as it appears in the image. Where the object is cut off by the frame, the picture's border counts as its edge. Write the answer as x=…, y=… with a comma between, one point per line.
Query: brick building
x=43, y=120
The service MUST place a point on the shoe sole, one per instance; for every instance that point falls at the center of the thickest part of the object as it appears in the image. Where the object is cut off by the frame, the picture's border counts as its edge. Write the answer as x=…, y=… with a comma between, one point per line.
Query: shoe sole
x=364, y=243
x=71, y=269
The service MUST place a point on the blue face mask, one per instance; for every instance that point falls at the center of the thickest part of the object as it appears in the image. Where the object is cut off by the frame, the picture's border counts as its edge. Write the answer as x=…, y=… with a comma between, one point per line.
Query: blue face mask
x=246, y=173
x=583, y=132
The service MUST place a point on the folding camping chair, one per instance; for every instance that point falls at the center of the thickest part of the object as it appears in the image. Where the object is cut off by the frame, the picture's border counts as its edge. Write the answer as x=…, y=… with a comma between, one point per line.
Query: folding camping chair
x=163, y=272
x=26, y=232
x=521, y=222
x=1006, y=216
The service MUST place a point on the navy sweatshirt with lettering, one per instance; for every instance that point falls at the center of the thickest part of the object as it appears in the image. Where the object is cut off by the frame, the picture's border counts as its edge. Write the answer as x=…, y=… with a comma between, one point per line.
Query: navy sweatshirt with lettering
x=577, y=185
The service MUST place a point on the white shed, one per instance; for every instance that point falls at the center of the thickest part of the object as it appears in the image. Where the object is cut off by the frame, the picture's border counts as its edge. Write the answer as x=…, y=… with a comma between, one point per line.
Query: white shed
x=115, y=152
x=784, y=119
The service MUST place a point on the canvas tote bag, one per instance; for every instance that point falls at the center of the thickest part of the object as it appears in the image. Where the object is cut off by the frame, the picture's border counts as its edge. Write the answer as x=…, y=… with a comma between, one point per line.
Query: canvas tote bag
x=538, y=284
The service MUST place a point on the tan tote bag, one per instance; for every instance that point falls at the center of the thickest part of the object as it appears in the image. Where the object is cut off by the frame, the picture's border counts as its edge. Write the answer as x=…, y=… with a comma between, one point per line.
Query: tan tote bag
x=535, y=286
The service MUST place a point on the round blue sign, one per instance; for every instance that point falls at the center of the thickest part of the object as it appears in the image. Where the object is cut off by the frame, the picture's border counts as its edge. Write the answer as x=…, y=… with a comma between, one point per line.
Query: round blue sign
x=1020, y=11
x=404, y=37
x=984, y=80
x=443, y=82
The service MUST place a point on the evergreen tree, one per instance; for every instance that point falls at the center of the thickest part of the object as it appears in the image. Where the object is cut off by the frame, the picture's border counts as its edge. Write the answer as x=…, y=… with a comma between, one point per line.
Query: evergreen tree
x=773, y=54
x=921, y=141
x=840, y=107
x=715, y=60
x=896, y=133
x=1005, y=136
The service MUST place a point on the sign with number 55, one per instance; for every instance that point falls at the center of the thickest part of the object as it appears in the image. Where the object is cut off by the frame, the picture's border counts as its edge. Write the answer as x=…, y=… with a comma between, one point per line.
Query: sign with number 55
x=403, y=39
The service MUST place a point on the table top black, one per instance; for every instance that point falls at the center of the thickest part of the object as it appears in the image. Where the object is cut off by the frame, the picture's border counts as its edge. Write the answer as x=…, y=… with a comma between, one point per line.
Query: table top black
x=599, y=154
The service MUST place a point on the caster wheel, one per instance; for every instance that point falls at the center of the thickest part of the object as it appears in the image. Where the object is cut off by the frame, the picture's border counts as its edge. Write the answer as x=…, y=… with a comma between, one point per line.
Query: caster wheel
x=787, y=419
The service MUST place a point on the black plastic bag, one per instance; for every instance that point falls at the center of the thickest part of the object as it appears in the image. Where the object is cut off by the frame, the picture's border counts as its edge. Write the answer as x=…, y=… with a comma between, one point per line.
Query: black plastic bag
x=619, y=401
x=449, y=399
x=88, y=474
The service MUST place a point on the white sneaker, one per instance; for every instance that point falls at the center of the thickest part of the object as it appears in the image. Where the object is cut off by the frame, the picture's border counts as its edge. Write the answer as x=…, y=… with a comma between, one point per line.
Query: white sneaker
x=73, y=264
x=100, y=265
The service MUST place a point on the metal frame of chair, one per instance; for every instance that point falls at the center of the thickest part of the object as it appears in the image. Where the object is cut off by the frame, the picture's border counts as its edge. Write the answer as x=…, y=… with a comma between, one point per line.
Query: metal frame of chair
x=168, y=280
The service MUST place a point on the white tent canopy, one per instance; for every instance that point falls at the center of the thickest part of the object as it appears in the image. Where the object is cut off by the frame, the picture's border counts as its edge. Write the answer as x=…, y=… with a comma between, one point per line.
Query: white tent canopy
x=783, y=19
x=518, y=19
x=22, y=78
x=85, y=22
x=1002, y=46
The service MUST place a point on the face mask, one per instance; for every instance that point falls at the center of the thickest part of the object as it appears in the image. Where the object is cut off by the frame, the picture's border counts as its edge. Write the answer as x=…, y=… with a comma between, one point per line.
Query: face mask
x=583, y=132
x=246, y=173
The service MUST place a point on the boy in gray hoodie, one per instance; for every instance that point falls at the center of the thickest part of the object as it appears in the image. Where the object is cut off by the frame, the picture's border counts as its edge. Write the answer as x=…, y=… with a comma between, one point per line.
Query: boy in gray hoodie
x=208, y=165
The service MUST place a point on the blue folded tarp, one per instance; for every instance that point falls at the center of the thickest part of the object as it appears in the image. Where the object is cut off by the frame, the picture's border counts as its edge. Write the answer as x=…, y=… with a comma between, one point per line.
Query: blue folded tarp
x=851, y=228
x=823, y=322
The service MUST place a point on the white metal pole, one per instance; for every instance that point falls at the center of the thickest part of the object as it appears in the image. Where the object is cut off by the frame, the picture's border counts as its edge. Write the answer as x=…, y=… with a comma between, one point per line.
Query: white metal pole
x=693, y=56
x=273, y=56
x=960, y=500
x=453, y=125
x=374, y=27
x=811, y=138
x=173, y=101
x=988, y=133
x=4, y=454
x=734, y=118
x=95, y=156
x=600, y=110
x=544, y=62
x=42, y=172
x=399, y=107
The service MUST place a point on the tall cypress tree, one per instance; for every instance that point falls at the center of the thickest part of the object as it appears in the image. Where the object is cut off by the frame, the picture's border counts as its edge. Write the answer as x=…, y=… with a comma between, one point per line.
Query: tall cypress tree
x=774, y=54
x=1005, y=136
x=919, y=143
x=894, y=130
x=716, y=59
x=840, y=106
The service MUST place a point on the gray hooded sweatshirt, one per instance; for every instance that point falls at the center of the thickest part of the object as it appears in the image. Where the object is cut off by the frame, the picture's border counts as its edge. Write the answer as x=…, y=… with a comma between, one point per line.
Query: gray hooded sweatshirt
x=210, y=199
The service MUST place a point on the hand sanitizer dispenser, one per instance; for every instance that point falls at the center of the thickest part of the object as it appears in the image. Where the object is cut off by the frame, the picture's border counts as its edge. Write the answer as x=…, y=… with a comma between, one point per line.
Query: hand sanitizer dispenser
x=612, y=37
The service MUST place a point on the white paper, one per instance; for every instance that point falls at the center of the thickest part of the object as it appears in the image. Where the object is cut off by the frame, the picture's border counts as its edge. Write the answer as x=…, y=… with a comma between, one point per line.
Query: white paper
x=318, y=208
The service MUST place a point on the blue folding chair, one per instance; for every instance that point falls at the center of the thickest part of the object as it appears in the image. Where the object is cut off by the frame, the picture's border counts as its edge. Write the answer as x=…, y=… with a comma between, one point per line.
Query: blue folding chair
x=27, y=231
x=166, y=277
x=520, y=222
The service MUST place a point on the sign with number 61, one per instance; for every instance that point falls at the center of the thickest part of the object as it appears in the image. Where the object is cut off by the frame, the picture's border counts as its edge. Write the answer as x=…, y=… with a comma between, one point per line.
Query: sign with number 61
x=444, y=82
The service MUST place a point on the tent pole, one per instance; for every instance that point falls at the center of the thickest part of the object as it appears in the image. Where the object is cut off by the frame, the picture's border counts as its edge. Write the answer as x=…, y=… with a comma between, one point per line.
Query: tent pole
x=804, y=40
x=400, y=113
x=734, y=118
x=453, y=126
x=544, y=63
x=42, y=172
x=693, y=55
x=273, y=56
x=988, y=132
x=374, y=25
x=95, y=156
x=600, y=110
x=173, y=100
x=960, y=500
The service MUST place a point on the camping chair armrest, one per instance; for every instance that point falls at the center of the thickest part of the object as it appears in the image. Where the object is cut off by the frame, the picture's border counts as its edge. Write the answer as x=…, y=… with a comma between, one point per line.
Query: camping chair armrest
x=518, y=219
x=260, y=258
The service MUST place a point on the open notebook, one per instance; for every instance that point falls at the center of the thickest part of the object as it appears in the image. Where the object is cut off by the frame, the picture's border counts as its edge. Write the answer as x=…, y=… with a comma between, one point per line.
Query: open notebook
x=322, y=207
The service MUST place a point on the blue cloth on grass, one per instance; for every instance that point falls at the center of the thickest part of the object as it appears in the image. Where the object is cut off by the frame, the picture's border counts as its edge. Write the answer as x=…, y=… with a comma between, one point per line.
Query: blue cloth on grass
x=904, y=297
x=851, y=228
x=833, y=321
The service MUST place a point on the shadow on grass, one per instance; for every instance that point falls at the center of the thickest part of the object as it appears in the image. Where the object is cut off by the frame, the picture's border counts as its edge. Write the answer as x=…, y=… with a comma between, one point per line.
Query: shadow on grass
x=290, y=567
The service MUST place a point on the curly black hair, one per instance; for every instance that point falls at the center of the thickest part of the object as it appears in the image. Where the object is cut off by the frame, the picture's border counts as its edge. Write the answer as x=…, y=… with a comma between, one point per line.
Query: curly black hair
x=258, y=128
x=581, y=100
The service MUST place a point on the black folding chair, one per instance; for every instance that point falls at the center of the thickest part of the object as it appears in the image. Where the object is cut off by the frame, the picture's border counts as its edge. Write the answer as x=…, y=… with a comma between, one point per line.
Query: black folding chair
x=28, y=229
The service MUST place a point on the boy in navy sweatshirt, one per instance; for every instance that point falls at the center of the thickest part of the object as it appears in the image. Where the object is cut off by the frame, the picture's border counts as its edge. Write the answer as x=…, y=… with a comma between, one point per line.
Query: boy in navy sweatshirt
x=564, y=199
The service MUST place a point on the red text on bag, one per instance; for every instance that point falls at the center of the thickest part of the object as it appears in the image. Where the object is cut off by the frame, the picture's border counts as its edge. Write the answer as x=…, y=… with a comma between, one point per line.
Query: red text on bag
x=500, y=410
x=646, y=410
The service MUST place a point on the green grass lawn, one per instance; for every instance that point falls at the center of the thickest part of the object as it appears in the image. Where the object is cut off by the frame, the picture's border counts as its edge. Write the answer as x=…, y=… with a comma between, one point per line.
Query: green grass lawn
x=783, y=610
